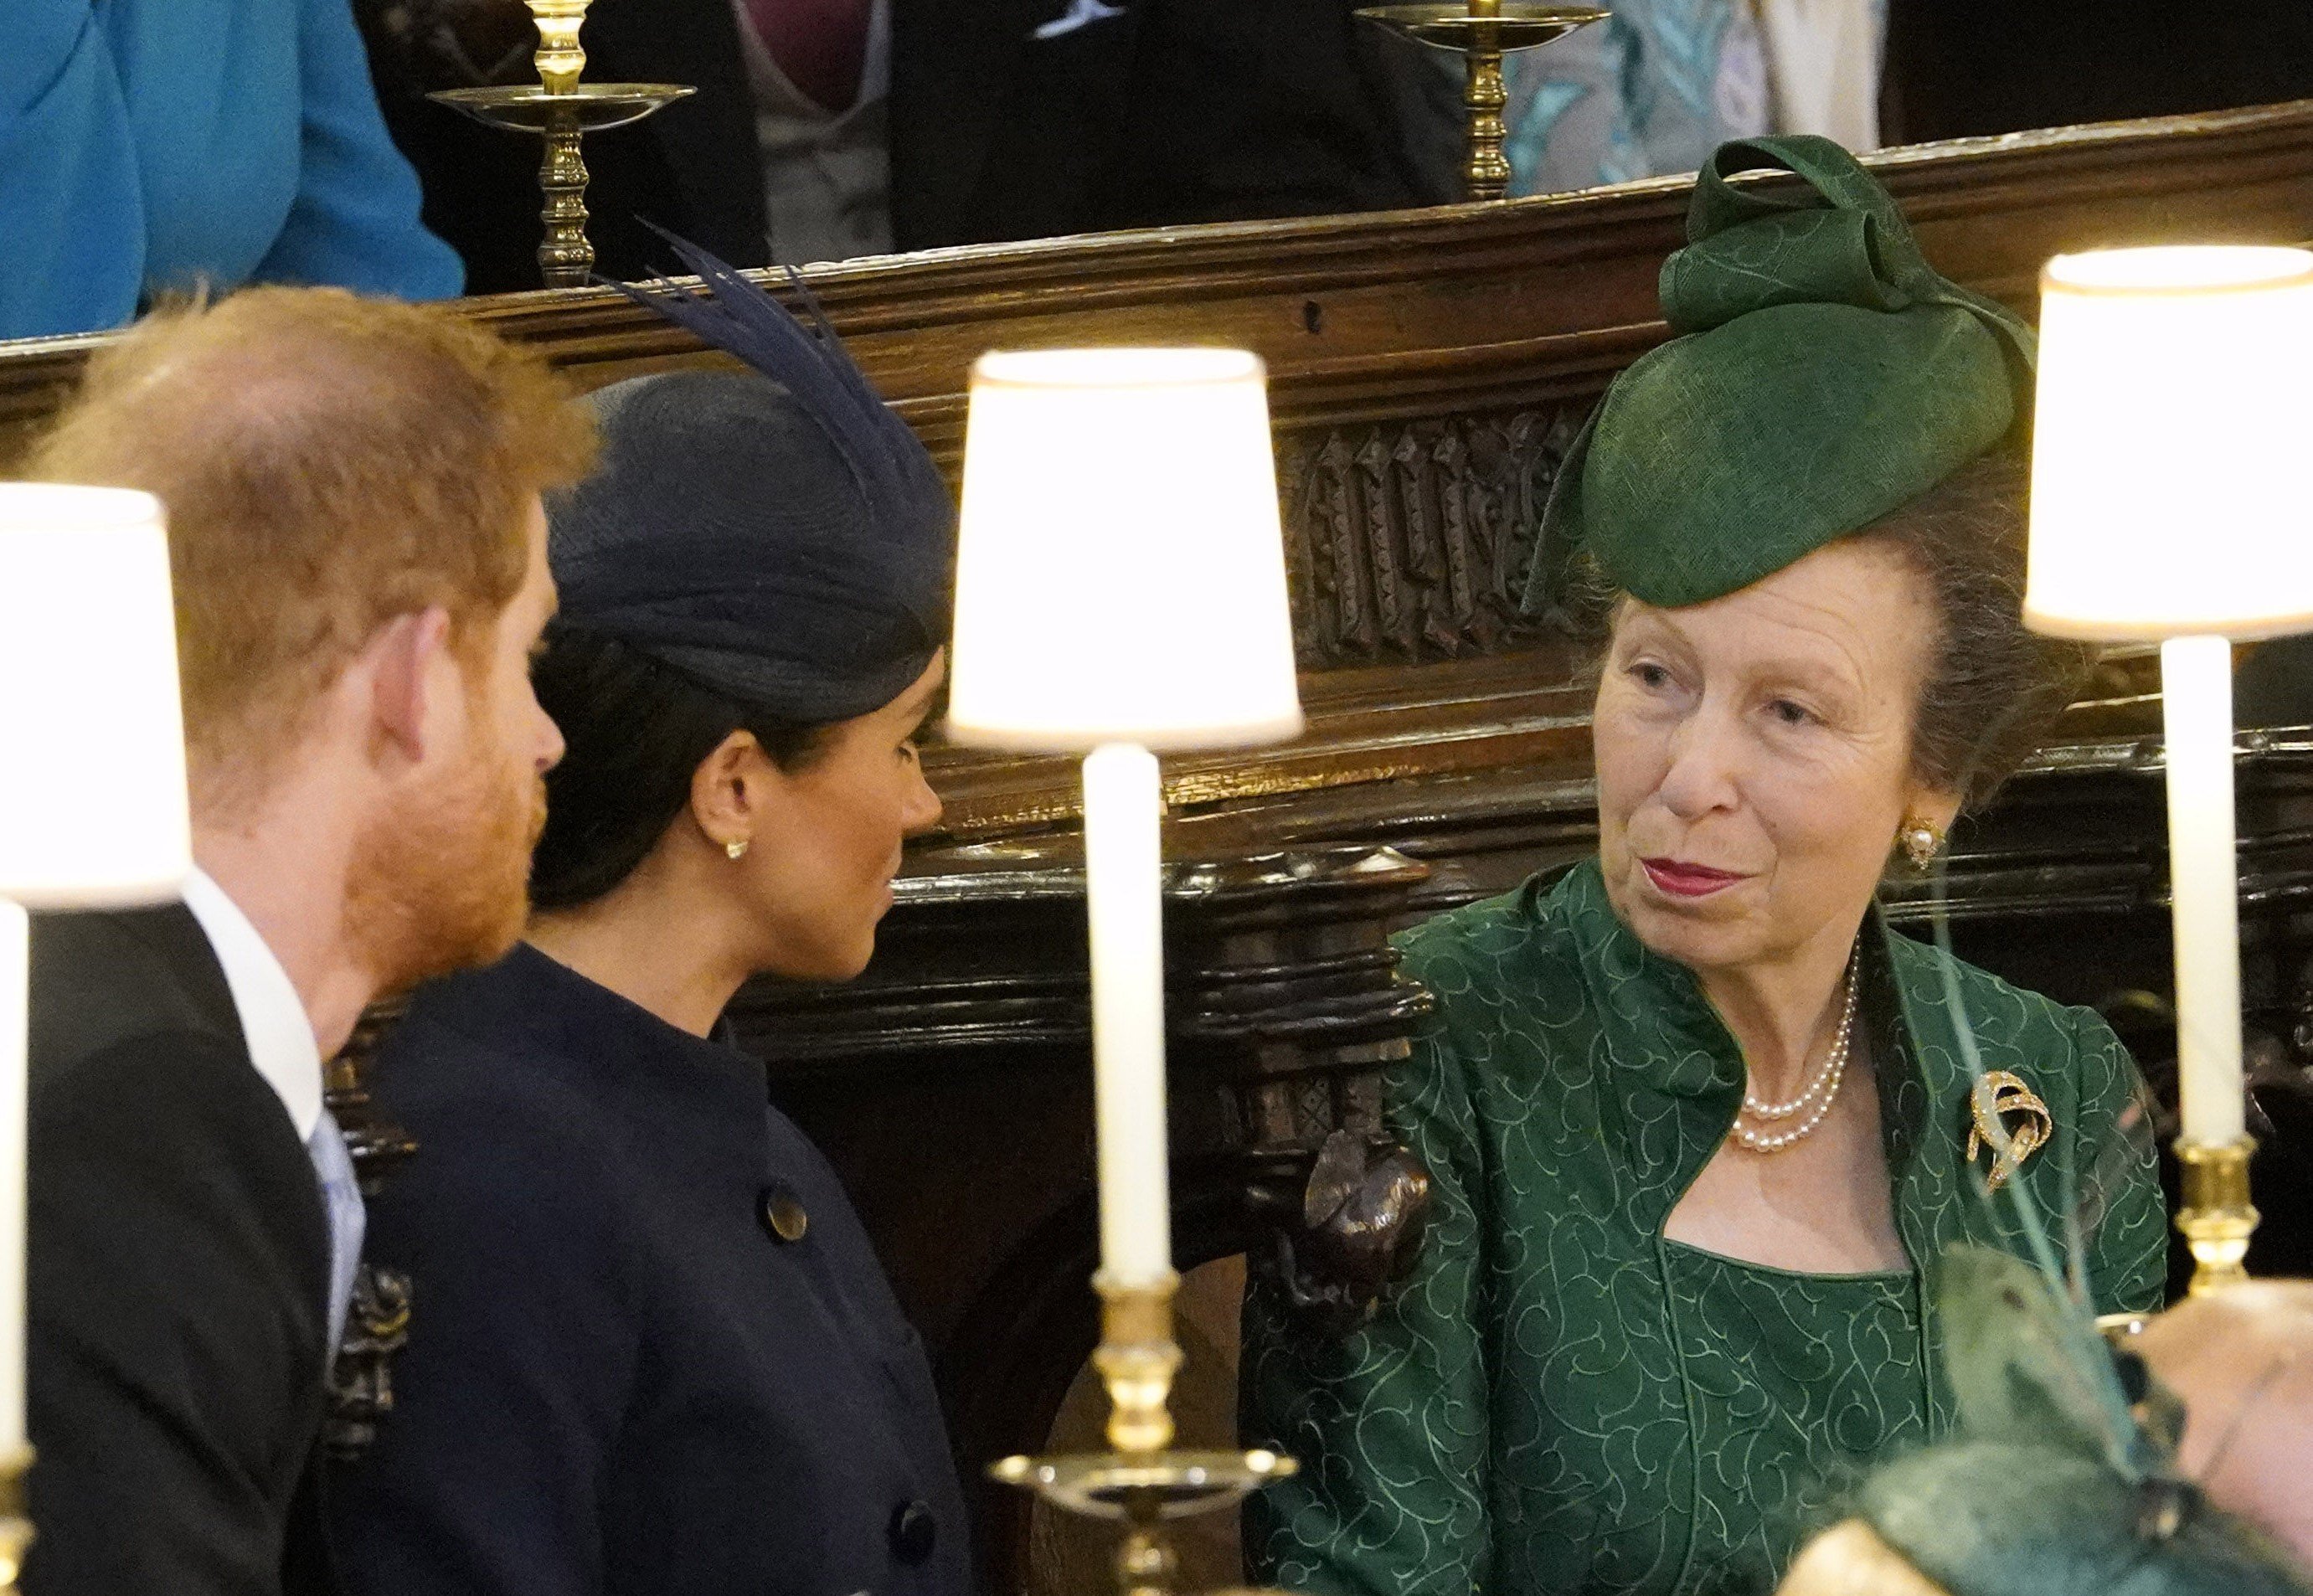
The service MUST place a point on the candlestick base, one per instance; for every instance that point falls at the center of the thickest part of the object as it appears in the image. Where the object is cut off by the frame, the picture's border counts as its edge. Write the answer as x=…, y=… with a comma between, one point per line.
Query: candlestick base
x=565, y=258
x=1144, y=1482
x=2217, y=1217
x=15, y=1517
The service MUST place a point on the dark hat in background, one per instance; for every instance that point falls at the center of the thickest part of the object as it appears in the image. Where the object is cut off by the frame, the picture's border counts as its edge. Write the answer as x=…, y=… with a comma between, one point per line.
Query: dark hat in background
x=777, y=535
x=1824, y=376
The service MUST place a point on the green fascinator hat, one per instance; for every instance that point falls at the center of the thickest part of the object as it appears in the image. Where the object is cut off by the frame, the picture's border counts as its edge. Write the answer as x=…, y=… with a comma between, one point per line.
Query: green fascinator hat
x=2063, y=1479
x=1823, y=376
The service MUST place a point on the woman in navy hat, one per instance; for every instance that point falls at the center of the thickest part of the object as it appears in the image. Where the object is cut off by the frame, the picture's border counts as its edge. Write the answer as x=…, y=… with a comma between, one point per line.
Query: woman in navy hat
x=653, y=1351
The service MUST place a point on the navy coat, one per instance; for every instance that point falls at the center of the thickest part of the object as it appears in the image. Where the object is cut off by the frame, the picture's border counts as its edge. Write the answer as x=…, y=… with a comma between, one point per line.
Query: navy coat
x=651, y=1349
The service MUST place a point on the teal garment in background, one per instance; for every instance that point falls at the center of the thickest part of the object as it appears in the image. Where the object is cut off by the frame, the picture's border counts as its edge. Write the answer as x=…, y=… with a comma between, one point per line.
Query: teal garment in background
x=1650, y=91
x=1561, y=1401
x=148, y=145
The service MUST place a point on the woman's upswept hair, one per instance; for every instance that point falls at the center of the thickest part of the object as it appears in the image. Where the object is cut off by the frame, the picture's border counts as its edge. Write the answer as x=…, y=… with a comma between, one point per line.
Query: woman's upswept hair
x=1992, y=688
x=635, y=731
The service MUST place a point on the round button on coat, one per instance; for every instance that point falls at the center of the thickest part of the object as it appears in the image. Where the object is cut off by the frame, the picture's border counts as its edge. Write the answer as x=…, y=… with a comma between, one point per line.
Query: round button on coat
x=915, y=1530
x=782, y=1213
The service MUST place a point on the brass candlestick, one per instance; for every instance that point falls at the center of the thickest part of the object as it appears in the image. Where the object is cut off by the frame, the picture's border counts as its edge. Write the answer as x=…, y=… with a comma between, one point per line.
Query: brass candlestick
x=2217, y=1217
x=1144, y=1482
x=1481, y=33
x=15, y=1517
x=563, y=111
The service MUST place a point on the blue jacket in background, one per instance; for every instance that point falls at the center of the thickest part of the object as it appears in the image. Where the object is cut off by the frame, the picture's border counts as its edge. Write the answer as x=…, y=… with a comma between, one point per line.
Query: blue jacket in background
x=147, y=145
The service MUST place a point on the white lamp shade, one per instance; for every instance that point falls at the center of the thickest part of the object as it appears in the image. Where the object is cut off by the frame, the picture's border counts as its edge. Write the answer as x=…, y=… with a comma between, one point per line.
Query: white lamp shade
x=1121, y=566
x=2170, y=441
x=93, y=809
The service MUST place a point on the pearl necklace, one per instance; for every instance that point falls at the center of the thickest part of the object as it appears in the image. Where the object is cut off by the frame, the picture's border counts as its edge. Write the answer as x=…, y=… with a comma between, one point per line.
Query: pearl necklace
x=1814, y=1100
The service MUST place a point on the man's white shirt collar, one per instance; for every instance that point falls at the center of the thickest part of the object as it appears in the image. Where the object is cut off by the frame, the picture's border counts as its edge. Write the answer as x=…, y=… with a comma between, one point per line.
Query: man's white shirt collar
x=273, y=1019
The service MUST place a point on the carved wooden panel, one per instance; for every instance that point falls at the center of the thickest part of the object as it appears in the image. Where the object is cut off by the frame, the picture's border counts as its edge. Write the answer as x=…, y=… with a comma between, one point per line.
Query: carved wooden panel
x=377, y=1319
x=1410, y=540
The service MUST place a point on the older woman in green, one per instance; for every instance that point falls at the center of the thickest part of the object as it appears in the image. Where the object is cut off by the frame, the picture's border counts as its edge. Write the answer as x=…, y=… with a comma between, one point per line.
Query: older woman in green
x=1698, y=1120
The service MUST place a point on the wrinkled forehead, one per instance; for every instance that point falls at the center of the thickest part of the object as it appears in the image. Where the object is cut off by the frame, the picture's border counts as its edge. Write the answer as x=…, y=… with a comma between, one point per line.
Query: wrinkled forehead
x=1853, y=612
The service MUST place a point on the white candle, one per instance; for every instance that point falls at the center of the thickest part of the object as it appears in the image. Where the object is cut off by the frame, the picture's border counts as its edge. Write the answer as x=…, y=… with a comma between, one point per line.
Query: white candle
x=14, y=994
x=1124, y=803
x=2196, y=691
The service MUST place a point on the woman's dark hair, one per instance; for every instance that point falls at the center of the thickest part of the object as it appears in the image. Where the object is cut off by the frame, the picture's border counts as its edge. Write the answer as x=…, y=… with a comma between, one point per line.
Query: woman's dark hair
x=635, y=731
x=1993, y=688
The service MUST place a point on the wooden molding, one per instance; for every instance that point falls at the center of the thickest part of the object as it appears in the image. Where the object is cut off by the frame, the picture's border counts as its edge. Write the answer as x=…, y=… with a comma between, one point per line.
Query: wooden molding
x=1400, y=314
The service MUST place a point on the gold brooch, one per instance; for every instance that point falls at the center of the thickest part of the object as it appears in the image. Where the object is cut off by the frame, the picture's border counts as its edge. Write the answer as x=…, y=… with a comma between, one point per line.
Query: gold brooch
x=1999, y=1094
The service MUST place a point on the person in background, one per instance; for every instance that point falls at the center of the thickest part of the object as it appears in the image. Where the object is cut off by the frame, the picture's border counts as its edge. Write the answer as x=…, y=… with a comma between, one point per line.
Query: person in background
x=653, y=1350
x=825, y=129
x=358, y=553
x=1657, y=85
x=148, y=145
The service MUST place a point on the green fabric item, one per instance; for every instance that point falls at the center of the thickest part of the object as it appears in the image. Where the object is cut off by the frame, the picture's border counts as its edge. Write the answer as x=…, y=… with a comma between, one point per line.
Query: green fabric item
x=2055, y=1485
x=2008, y=1518
x=1824, y=376
x=1561, y=1400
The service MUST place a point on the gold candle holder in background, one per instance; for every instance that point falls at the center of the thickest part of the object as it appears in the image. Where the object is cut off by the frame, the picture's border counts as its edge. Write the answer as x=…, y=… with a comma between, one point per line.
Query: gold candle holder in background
x=1143, y=1482
x=1481, y=33
x=2217, y=1217
x=15, y=1518
x=562, y=110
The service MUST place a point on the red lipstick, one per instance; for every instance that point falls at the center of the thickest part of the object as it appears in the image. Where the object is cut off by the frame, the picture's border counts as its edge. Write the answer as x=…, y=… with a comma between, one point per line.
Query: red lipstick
x=1682, y=879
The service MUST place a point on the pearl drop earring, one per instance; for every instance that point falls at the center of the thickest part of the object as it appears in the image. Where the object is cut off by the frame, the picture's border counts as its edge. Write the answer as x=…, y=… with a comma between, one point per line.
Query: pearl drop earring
x=1921, y=843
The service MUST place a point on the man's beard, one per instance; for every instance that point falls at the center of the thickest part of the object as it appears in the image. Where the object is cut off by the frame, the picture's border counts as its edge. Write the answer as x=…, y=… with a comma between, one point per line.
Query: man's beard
x=443, y=884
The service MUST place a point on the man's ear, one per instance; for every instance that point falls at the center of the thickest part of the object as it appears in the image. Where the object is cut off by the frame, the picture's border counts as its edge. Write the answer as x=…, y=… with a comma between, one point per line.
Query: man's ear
x=726, y=790
x=402, y=660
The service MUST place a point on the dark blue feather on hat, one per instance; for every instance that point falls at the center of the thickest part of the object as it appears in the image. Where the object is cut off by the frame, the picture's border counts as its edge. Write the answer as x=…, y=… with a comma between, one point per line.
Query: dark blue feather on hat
x=779, y=535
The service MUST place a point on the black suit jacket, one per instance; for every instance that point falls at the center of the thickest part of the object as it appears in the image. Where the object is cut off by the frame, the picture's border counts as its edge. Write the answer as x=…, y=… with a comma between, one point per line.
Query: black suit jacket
x=178, y=1279
x=1174, y=112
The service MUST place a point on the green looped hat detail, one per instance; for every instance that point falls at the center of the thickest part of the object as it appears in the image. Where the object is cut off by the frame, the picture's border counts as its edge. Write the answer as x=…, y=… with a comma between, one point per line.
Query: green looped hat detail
x=1824, y=376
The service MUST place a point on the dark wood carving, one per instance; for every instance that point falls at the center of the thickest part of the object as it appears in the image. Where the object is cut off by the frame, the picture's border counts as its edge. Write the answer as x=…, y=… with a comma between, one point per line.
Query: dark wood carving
x=1356, y=1230
x=1427, y=371
x=1412, y=541
x=377, y=1320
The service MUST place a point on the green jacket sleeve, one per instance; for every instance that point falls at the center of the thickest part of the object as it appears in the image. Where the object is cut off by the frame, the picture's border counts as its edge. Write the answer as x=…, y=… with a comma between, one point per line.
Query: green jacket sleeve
x=1390, y=1424
x=2123, y=1215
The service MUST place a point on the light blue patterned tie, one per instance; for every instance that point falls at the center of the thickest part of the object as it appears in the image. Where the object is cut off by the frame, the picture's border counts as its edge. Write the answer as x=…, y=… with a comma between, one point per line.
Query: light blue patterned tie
x=342, y=1195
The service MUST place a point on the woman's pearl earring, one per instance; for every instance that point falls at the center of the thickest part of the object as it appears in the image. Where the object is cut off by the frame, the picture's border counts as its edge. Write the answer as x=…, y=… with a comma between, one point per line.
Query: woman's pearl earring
x=736, y=847
x=1921, y=843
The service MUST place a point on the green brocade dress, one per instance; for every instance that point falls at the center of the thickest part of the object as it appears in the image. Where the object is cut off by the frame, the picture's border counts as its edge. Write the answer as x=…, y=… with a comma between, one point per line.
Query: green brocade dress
x=1561, y=1400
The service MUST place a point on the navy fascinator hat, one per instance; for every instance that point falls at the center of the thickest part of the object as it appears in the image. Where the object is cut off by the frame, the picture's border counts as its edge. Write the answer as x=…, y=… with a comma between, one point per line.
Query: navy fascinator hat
x=777, y=535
